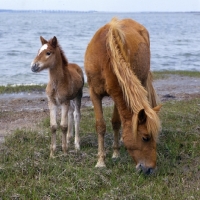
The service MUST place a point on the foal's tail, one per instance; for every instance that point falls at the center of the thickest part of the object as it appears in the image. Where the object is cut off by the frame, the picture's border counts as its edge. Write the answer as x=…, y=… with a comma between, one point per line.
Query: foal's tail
x=134, y=93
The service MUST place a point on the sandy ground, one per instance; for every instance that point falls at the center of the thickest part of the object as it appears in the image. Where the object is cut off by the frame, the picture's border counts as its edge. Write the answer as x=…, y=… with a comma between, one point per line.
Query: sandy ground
x=26, y=110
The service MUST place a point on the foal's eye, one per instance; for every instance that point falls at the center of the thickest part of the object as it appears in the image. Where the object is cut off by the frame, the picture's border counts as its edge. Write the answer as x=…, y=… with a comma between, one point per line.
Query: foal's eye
x=146, y=139
x=48, y=53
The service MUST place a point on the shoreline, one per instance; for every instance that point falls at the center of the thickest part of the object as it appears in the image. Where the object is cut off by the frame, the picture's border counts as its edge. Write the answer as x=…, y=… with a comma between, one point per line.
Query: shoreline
x=27, y=109
x=171, y=85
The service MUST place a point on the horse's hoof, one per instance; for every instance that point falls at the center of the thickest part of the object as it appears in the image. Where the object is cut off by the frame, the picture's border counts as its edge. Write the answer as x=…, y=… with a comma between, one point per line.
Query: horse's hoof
x=100, y=165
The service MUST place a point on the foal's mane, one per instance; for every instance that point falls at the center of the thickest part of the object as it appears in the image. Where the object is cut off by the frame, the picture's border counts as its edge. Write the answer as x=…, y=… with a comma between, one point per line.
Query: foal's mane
x=134, y=93
x=63, y=57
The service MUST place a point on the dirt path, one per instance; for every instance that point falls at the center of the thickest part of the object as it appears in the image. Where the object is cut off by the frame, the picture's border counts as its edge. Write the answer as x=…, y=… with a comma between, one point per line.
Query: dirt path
x=27, y=110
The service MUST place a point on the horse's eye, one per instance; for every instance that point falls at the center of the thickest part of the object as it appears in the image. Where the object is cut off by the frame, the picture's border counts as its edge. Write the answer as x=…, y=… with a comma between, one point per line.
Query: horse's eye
x=146, y=139
x=48, y=53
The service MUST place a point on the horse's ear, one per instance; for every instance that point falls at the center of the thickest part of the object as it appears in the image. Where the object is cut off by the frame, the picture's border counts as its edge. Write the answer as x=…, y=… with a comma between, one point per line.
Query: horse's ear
x=157, y=108
x=54, y=42
x=142, y=117
x=43, y=41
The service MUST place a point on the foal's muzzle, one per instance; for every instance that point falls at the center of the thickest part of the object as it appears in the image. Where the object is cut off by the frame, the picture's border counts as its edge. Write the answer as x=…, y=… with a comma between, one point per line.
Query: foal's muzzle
x=35, y=67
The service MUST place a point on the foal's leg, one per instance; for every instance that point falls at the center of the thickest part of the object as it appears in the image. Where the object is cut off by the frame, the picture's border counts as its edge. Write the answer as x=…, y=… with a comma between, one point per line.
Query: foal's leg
x=116, y=124
x=77, y=118
x=70, y=122
x=100, y=127
x=64, y=124
x=53, y=124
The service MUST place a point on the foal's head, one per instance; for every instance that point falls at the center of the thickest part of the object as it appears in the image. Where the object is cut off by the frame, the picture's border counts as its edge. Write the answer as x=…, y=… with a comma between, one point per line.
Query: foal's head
x=143, y=146
x=48, y=55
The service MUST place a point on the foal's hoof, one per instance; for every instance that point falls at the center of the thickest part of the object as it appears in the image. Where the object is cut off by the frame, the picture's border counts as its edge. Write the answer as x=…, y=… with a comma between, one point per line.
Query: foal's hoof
x=77, y=147
x=64, y=153
x=115, y=155
x=52, y=156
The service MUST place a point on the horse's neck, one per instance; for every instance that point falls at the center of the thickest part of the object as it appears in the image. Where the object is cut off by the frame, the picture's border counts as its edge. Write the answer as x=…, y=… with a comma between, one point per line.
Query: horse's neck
x=58, y=75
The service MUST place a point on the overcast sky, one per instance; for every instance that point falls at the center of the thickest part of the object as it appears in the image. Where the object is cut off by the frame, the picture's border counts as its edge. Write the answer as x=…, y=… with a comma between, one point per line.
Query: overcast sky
x=103, y=5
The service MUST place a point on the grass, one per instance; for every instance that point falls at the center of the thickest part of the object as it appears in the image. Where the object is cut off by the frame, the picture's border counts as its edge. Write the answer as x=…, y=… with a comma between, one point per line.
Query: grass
x=165, y=74
x=21, y=88
x=41, y=88
x=27, y=172
x=24, y=88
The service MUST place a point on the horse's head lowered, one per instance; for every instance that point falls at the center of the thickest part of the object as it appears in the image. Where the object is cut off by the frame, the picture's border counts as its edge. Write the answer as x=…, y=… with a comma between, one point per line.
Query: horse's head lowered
x=143, y=146
x=46, y=55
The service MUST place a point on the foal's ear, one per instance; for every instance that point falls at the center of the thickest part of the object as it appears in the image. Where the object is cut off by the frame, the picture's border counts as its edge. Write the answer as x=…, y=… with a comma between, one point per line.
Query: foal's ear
x=54, y=42
x=43, y=41
x=142, y=117
x=157, y=108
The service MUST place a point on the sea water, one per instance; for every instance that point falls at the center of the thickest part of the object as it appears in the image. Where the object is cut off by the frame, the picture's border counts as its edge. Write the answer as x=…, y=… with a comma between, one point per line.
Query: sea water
x=174, y=37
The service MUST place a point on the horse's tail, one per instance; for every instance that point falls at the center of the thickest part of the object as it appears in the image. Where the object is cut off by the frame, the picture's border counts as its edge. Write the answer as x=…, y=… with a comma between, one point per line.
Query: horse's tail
x=134, y=93
x=152, y=95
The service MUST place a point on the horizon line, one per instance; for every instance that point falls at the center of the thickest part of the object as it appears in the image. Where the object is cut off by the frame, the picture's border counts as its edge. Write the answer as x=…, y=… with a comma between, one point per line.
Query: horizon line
x=92, y=11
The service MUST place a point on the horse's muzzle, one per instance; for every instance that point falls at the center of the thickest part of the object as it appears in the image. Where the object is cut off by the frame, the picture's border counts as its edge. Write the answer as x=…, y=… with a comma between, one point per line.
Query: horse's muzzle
x=145, y=169
x=35, y=67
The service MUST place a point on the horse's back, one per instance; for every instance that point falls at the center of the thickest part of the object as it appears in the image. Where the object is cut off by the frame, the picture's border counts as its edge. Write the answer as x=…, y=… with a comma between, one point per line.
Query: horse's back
x=74, y=68
x=136, y=42
x=77, y=74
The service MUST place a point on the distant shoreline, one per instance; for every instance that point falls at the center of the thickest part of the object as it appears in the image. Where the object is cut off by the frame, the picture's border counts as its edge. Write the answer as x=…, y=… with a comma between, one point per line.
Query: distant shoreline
x=55, y=11
x=90, y=11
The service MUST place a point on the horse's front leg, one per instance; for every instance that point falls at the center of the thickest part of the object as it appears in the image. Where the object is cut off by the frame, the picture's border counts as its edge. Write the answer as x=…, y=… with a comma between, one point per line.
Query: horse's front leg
x=116, y=124
x=100, y=127
x=64, y=125
x=53, y=125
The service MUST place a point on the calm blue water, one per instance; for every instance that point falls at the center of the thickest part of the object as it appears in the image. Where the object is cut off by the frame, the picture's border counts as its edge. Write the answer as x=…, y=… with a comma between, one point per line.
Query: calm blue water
x=175, y=40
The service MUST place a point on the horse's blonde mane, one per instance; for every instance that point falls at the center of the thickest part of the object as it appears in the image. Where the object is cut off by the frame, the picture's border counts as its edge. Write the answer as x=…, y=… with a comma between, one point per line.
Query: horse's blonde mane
x=134, y=93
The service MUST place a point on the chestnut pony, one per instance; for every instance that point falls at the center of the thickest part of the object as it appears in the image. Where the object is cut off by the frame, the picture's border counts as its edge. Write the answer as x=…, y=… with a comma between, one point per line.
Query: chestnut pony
x=63, y=89
x=117, y=63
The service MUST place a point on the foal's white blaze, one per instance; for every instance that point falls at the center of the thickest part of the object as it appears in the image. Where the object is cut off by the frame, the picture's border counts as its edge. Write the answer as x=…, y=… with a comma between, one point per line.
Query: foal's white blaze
x=43, y=48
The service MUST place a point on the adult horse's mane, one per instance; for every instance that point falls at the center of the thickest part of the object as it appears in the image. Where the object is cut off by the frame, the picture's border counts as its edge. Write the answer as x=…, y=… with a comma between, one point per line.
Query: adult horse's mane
x=134, y=93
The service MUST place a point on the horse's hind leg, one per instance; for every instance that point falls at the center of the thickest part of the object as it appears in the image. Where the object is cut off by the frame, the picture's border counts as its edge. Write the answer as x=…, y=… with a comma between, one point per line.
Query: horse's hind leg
x=116, y=124
x=100, y=127
x=77, y=118
x=53, y=124
x=64, y=125
x=70, y=122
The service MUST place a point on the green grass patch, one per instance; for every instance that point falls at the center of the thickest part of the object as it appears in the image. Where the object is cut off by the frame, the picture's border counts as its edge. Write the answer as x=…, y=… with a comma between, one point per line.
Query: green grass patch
x=86, y=85
x=41, y=88
x=165, y=74
x=22, y=88
x=27, y=172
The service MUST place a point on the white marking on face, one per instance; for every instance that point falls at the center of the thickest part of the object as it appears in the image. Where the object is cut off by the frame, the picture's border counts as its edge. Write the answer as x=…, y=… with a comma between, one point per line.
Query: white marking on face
x=43, y=48
x=32, y=63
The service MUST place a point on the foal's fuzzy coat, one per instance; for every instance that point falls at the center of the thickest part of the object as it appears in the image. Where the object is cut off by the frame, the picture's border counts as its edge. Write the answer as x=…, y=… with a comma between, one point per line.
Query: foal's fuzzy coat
x=64, y=89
